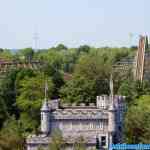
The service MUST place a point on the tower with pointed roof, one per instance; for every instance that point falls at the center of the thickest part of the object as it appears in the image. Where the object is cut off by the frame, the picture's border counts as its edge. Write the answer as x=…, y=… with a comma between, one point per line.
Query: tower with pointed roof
x=111, y=114
x=45, y=114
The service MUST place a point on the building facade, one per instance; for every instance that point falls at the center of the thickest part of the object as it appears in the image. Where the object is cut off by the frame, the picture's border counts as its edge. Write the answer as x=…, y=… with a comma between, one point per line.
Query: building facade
x=102, y=121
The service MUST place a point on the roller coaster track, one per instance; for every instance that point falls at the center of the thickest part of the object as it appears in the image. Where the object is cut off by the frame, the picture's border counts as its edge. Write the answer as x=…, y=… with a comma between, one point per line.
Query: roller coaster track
x=122, y=67
x=6, y=66
x=140, y=64
x=140, y=60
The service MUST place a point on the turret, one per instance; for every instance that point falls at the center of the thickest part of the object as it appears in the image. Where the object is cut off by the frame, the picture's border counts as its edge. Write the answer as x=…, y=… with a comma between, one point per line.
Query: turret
x=102, y=101
x=45, y=114
x=111, y=115
x=45, y=118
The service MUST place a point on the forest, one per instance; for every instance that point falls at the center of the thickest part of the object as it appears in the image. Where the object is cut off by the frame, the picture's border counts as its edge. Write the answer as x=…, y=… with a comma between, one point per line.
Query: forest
x=75, y=75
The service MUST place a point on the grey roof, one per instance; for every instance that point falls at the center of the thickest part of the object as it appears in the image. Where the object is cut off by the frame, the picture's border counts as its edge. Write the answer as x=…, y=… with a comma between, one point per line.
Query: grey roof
x=90, y=113
x=70, y=139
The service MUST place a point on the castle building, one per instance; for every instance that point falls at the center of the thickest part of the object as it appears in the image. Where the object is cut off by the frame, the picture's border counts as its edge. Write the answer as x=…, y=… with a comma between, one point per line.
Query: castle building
x=102, y=122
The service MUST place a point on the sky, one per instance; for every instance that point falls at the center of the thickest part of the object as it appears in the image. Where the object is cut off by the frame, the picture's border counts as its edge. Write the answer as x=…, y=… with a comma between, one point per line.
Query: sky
x=96, y=23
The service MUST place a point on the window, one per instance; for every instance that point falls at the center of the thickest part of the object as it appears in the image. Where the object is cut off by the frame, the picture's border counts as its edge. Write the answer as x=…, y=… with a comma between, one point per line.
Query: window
x=98, y=125
x=65, y=125
x=91, y=125
x=101, y=125
x=120, y=128
x=42, y=116
x=75, y=125
x=103, y=140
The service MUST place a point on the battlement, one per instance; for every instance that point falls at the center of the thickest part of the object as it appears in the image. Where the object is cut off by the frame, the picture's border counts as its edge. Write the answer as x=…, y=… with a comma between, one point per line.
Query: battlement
x=102, y=101
x=81, y=105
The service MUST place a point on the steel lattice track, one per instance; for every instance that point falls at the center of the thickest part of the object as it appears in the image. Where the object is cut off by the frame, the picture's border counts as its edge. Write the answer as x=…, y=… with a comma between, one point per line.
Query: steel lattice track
x=7, y=66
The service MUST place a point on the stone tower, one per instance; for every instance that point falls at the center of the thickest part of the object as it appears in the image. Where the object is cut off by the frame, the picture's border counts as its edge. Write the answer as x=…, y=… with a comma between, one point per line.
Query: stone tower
x=102, y=101
x=45, y=114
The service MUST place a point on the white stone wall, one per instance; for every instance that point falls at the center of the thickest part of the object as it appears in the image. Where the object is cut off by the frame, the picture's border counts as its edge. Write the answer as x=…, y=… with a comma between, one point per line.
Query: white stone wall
x=80, y=125
x=67, y=148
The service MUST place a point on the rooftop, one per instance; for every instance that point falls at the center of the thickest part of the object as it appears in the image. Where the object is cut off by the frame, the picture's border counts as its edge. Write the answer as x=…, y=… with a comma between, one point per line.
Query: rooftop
x=86, y=113
x=41, y=139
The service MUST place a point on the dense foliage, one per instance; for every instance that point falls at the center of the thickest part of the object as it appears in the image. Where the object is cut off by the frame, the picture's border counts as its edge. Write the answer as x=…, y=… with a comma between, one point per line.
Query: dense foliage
x=75, y=75
x=138, y=121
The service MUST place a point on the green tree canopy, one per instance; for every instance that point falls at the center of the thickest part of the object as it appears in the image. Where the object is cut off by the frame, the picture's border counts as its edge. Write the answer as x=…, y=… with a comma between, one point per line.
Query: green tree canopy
x=89, y=79
x=61, y=47
x=84, y=48
x=8, y=96
x=80, y=144
x=57, y=142
x=134, y=89
x=137, y=121
x=12, y=135
x=6, y=54
x=78, y=90
x=30, y=97
x=26, y=54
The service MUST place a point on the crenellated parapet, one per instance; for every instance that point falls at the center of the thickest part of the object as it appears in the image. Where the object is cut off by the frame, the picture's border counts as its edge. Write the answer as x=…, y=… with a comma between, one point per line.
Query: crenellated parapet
x=102, y=102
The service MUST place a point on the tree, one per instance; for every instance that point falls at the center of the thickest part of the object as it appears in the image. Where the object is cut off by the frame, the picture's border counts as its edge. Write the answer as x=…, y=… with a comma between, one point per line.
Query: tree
x=8, y=96
x=137, y=121
x=134, y=89
x=83, y=48
x=61, y=47
x=89, y=79
x=11, y=136
x=78, y=90
x=1, y=50
x=3, y=112
x=40, y=148
x=22, y=74
x=56, y=76
x=70, y=58
x=127, y=89
x=26, y=54
x=80, y=144
x=29, y=99
x=57, y=142
x=93, y=66
x=6, y=55
x=8, y=92
x=53, y=67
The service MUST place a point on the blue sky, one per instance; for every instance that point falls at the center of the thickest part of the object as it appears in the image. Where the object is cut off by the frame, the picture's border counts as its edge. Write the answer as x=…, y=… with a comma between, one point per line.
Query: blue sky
x=73, y=22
